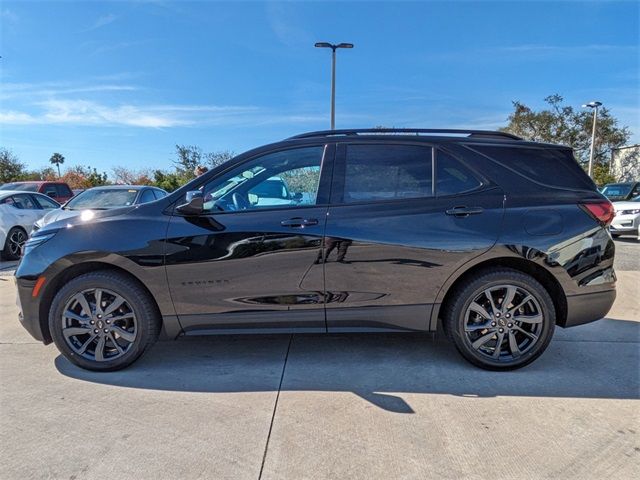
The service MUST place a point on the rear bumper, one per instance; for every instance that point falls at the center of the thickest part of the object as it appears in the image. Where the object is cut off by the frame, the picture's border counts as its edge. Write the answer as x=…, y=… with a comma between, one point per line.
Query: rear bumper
x=588, y=307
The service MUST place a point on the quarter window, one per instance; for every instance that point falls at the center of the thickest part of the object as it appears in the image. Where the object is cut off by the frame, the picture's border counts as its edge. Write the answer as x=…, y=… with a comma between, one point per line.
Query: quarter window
x=453, y=177
x=387, y=172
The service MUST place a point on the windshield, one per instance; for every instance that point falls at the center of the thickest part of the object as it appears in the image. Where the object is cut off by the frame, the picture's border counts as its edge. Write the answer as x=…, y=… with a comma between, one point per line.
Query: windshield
x=25, y=187
x=102, y=199
x=617, y=190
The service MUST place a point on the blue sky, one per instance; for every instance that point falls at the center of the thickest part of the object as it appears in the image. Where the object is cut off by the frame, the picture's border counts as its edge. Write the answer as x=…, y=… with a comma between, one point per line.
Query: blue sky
x=120, y=83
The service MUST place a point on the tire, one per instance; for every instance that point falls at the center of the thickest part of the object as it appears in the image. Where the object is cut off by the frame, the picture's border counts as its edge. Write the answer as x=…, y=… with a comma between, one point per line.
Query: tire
x=12, y=249
x=109, y=338
x=474, y=327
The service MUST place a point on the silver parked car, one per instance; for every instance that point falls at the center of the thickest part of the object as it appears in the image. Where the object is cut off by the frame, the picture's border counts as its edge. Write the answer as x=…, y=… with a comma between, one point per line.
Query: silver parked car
x=102, y=198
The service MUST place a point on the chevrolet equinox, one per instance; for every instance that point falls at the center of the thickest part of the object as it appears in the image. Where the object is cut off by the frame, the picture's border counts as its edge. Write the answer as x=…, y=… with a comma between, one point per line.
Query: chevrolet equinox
x=495, y=239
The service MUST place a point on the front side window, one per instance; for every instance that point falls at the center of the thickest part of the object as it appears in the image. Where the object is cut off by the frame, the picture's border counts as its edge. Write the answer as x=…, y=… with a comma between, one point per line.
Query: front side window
x=452, y=177
x=387, y=172
x=147, y=196
x=284, y=179
x=24, y=202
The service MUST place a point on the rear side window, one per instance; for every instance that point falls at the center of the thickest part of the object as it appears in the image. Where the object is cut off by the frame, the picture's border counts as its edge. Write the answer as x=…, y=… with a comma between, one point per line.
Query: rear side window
x=51, y=190
x=387, y=172
x=553, y=167
x=159, y=194
x=452, y=177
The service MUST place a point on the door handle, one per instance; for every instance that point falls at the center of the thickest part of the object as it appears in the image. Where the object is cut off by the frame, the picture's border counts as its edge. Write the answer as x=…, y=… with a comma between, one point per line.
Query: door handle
x=464, y=211
x=299, y=222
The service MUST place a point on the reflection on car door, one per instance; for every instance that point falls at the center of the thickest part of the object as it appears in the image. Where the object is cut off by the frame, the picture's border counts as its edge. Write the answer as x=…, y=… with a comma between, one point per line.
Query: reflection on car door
x=391, y=240
x=246, y=263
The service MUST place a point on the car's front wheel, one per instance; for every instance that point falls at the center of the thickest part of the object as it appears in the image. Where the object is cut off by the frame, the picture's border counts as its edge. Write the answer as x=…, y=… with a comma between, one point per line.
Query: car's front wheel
x=501, y=319
x=103, y=321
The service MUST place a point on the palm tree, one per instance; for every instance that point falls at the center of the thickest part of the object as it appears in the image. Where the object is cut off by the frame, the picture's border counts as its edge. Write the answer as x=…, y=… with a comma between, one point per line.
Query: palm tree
x=57, y=159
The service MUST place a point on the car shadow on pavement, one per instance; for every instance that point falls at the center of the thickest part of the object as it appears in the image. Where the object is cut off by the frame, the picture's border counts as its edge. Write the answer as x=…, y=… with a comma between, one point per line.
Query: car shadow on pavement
x=379, y=367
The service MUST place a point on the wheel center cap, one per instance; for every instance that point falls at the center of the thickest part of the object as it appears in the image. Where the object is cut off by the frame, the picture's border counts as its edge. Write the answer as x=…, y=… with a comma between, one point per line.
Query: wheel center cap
x=100, y=324
x=501, y=322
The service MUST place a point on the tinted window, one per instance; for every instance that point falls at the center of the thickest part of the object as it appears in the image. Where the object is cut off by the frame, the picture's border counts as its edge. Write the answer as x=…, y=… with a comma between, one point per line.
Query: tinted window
x=63, y=190
x=283, y=179
x=46, y=202
x=452, y=176
x=554, y=167
x=147, y=196
x=159, y=193
x=387, y=172
x=103, y=198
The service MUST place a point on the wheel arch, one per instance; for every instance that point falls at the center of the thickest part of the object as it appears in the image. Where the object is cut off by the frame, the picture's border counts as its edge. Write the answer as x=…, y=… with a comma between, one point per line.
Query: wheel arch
x=54, y=285
x=542, y=275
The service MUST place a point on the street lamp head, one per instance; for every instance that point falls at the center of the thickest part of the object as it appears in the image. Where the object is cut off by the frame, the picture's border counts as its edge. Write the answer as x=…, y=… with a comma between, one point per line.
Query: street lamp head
x=332, y=46
x=323, y=45
x=593, y=104
x=345, y=45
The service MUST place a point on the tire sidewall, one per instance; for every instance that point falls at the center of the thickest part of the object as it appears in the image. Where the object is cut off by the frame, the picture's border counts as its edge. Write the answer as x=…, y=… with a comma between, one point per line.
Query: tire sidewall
x=129, y=291
x=6, y=253
x=475, y=288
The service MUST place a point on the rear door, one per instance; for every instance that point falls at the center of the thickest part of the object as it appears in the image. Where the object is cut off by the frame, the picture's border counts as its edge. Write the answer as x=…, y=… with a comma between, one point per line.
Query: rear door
x=403, y=217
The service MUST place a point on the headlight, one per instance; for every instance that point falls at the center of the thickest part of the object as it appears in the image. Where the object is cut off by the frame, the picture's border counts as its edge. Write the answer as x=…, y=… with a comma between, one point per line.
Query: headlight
x=34, y=242
x=630, y=212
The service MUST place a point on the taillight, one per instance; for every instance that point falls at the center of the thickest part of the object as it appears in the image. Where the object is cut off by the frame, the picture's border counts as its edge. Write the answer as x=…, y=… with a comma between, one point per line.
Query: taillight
x=601, y=211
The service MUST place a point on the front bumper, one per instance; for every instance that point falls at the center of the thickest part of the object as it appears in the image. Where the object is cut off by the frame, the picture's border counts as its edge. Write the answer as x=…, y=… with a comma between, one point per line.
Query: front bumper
x=625, y=223
x=28, y=310
x=588, y=307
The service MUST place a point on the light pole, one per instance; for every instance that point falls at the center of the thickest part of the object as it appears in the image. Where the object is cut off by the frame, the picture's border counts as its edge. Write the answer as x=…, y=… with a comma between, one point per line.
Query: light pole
x=595, y=106
x=333, y=48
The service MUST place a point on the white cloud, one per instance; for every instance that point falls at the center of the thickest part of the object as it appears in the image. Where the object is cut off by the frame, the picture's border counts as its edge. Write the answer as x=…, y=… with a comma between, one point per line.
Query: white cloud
x=8, y=16
x=16, y=90
x=102, y=21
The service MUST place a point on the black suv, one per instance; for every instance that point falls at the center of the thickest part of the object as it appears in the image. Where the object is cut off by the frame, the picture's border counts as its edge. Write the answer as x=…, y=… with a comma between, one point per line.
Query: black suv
x=496, y=239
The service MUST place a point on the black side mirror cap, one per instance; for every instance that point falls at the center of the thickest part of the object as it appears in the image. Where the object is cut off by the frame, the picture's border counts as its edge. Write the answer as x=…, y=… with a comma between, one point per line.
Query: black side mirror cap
x=194, y=205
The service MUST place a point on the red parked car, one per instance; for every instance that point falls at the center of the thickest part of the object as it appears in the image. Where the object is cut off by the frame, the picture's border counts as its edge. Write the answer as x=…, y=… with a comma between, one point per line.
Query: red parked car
x=59, y=191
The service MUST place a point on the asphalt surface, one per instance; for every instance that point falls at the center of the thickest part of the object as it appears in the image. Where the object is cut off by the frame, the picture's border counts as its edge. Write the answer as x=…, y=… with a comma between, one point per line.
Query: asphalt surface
x=332, y=406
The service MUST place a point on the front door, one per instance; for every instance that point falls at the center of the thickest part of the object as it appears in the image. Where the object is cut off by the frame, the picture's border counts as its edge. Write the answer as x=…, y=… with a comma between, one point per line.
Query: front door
x=250, y=261
x=402, y=219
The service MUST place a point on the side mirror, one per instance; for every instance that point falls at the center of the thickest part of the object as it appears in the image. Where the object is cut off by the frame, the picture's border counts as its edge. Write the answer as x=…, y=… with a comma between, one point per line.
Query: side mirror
x=194, y=205
x=297, y=197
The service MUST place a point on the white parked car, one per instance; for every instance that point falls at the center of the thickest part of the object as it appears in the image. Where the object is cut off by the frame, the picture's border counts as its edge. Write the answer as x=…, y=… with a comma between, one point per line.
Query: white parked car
x=627, y=219
x=18, y=212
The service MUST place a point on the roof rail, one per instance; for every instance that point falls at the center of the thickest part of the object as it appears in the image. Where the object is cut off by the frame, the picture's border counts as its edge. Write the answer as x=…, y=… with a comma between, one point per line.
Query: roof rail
x=410, y=131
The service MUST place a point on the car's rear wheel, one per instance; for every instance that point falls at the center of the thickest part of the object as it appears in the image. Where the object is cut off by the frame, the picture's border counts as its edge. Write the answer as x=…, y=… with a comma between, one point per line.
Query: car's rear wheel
x=103, y=321
x=501, y=319
x=13, y=244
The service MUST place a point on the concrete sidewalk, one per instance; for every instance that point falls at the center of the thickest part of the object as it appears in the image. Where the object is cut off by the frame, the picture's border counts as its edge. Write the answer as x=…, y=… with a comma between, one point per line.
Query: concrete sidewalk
x=313, y=406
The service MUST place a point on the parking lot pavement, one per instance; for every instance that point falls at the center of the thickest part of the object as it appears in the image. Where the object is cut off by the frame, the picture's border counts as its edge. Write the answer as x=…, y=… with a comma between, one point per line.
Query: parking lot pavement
x=336, y=406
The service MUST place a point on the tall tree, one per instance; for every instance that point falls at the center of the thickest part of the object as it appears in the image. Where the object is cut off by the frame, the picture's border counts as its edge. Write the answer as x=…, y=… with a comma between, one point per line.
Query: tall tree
x=10, y=166
x=559, y=123
x=215, y=159
x=57, y=159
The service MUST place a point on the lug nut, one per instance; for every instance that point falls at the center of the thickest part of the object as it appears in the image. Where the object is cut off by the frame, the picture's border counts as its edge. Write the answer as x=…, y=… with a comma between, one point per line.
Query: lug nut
x=92, y=322
x=498, y=314
x=508, y=315
x=501, y=330
x=510, y=325
x=108, y=321
x=493, y=324
x=106, y=330
x=99, y=316
x=96, y=331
